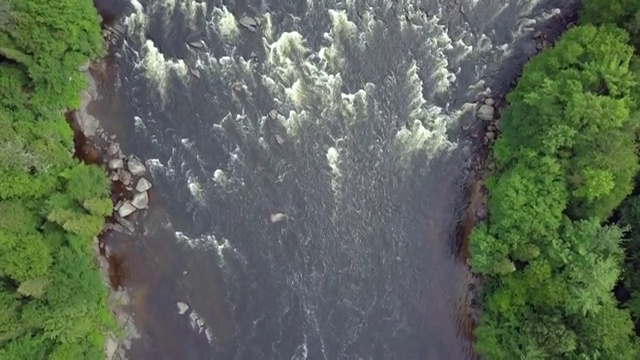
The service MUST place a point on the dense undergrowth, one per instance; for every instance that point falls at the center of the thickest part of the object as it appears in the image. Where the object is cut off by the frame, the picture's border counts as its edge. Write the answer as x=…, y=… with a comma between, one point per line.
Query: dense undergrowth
x=566, y=159
x=52, y=299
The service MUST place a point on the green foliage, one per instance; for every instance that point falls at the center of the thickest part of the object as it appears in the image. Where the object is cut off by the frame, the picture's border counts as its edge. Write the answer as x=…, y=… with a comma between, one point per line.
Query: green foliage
x=52, y=299
x=623, y=13
x=566, y=159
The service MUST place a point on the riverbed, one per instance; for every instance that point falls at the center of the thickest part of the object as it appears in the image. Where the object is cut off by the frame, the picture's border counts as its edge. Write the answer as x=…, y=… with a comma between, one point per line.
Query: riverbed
x=309, y=168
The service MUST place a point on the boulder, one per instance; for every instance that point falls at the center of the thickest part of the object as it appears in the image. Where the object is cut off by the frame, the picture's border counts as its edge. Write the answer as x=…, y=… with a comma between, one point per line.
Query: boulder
x=110, y=347
x=125, y=177
x=114, y=176
x=196, y=44
x=126, y=209
x=182, y=307
x=143, y=185
x=126, y=225
x=490, y=135
x=276, y=217
x=135, y=167
x=140, y=200
x=486, y=112
x=84, y=67
x=249, y=23
x=115, y=164
x=489, y=101
x=113, y=150
x=195, y=73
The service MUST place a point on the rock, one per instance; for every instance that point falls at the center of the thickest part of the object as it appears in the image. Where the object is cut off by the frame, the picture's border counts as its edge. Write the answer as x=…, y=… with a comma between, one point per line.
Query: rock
x=276, y=217
x=537, y=34
x=118, y=205
x=195, y=73
x=273, y=114
x=112, y=137
x=539, y=46
x=110, y=347
x=115, y=164
x=135, y=167
x=182, y=307
x=489, y=101
x=200, y=322
x=196, y=44
x=279, y=139
x=119, y=29
x=127, y=226
x=490, y=135
x=491, y=127
x=140, y=200
x=249, y=23
x=114, y=149
x=485, y=112
x=126, y=209
x=125, y=177
x=143, y=185
x=466, y=127
x=481, y=213
x=114, y=176
x=84, y=67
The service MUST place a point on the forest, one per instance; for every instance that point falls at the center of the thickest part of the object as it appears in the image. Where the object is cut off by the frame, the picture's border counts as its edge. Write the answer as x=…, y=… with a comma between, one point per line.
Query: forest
x=560, y=252
x=52, y=298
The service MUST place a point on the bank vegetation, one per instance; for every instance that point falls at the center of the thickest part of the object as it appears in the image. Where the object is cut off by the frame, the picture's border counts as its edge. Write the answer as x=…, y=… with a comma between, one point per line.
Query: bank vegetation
x=559, y=255
x=52, y=298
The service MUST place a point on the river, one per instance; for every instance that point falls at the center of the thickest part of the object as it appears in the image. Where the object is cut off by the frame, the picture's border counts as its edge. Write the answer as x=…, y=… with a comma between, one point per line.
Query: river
x=309, y=170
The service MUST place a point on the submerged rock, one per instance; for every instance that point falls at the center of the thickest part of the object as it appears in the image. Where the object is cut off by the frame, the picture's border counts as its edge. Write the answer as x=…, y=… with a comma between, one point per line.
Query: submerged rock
x=126, y=209
x=486, y=112
x=143, y=185
x=141, y=200
x=182, y=307
x=135, y=167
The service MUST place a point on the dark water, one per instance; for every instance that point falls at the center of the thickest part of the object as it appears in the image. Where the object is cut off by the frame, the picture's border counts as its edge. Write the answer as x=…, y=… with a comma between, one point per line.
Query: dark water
x=363, y=159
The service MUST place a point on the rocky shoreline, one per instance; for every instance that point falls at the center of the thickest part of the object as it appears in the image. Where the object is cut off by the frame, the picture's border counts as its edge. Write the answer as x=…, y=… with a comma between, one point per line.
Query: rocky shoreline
x=129, y=193
x=483, y=132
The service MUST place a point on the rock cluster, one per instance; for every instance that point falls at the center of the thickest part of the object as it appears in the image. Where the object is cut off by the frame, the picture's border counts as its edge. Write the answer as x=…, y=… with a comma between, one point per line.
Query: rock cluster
x=112, y=35
x=489, y=115
x=541, y=41
x=128, y=172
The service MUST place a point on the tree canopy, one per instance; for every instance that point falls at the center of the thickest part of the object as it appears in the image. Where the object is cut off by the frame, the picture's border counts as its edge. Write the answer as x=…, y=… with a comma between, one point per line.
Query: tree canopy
x=52, y=299
x=565, y=160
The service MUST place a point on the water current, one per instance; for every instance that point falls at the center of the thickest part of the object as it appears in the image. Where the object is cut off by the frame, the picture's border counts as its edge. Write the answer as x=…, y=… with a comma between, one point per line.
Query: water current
x=309, y=176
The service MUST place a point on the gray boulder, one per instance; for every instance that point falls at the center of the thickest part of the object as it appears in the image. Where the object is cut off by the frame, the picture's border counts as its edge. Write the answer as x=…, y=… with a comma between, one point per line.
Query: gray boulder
x=249, y=23
x=125, y=177
x=143, y=185
x=115, y=164
x=135, y=167
x=486, y=112
x=277, y=217
x=182, y=307
x=114, y=149
x=126, y=209
x=140, y=200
